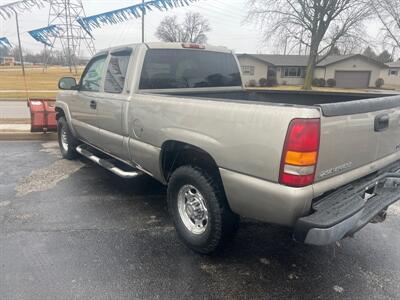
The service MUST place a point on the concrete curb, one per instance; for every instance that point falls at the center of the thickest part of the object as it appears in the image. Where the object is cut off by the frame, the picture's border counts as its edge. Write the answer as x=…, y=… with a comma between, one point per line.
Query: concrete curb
x=14, y=99
x=15, y=121
x=27, y=136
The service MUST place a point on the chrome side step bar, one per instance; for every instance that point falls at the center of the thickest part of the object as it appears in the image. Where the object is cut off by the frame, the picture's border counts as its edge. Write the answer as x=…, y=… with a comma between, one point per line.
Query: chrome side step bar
x=106, y=164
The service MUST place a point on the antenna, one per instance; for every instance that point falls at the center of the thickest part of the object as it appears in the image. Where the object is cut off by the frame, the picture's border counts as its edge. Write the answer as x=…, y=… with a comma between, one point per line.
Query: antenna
x=71, y=36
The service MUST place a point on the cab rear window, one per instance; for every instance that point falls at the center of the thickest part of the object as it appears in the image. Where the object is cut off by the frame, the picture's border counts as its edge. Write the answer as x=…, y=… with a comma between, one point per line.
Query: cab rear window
x=183, y=68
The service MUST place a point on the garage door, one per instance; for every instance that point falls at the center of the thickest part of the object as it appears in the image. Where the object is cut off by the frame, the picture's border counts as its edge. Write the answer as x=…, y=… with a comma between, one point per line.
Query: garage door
x=352, y=79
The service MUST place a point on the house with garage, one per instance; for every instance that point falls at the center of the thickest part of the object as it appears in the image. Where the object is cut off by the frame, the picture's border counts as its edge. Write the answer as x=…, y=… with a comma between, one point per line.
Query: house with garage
x=391, y=75
x=349, y=71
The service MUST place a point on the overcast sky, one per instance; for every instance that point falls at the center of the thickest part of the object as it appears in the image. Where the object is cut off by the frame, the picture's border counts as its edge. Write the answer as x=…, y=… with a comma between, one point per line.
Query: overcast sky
x=227, y=19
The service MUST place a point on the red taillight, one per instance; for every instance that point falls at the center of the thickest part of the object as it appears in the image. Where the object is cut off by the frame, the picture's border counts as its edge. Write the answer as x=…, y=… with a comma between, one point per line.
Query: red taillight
x=300, y=153
x=303, y=135
x=193, y=46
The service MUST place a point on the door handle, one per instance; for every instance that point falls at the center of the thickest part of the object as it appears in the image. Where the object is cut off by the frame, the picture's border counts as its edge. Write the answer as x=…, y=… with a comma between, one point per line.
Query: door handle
x=381, y=122
x=93, y=104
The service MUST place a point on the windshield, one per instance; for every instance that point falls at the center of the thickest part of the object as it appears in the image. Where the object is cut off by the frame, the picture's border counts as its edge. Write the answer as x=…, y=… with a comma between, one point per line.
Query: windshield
x=184, y=68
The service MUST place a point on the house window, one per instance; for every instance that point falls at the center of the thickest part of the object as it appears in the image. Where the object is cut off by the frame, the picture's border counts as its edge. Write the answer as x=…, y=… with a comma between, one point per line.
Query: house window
x=248, y=70
x=294, y=72
x=393, y=72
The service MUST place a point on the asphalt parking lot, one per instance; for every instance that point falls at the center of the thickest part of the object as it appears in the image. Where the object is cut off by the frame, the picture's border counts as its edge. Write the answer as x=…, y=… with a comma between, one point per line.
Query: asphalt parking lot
x=71, y=230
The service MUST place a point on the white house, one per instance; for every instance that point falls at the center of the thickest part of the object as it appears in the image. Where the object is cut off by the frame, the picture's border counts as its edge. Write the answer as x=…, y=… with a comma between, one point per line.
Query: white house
x=349, y=71
x=391, y=75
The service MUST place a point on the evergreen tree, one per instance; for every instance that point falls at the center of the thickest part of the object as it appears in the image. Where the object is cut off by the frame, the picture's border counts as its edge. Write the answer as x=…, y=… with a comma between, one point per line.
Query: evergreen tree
x=369, y=52
x=335, y=51
x=385, y=57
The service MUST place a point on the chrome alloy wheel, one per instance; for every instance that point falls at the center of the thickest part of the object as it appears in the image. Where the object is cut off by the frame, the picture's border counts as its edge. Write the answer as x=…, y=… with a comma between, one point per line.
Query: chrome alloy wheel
x=64, y=138
x=192, y=209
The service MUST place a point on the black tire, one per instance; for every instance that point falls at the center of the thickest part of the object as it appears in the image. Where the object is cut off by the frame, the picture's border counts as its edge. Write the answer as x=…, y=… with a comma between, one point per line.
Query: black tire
x=67, y=149
x=222, y=223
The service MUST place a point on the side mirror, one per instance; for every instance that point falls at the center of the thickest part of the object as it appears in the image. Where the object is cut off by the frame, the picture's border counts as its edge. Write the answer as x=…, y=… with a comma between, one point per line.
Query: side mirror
x=67, y=83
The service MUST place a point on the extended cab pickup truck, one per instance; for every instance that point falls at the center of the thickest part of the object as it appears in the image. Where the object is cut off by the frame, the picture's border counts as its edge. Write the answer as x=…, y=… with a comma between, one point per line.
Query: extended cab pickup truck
x=324, y=164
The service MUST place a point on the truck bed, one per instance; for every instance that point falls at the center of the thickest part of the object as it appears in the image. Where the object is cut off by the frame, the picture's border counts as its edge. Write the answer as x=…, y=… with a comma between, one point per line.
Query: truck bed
x=350, y=137
x=331, y=104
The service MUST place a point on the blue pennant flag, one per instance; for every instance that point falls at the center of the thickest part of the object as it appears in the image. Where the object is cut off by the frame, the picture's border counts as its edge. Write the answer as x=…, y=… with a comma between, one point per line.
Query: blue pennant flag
x=8, y=10
x=124, y=14
x=46, y=34
x=4, y=42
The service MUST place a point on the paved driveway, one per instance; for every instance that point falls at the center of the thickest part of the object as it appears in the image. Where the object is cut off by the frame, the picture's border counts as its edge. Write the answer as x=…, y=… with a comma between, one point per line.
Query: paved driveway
x=71, y=230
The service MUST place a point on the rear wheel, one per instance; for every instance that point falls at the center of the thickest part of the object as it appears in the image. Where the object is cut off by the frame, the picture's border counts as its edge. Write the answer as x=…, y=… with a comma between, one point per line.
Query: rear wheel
x=66, y=140
x=200, y=211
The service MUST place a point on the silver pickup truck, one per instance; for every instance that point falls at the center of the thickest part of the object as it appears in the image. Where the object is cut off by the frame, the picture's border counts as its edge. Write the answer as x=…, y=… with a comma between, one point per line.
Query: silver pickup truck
x=324, y=164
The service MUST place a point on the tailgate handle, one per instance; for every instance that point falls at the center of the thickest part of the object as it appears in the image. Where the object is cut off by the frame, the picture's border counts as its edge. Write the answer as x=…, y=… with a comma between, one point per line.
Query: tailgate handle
x=93, y=104
x=381, y=122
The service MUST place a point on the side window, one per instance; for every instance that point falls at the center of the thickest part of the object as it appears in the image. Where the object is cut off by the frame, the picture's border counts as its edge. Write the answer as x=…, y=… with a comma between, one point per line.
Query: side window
x=116, y=72
x=92, y=76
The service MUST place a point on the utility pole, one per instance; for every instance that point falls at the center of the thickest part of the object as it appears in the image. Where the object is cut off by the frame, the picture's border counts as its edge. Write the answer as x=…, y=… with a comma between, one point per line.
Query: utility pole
x=143, y=12
x=19, y=45
x=67, y=22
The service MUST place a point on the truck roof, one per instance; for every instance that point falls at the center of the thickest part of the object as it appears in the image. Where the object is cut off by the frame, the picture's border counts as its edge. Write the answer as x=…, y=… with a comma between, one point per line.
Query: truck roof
x=164, y=45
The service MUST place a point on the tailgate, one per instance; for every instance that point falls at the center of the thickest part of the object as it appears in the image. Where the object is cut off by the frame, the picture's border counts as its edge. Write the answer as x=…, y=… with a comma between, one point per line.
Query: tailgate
x=357, y=133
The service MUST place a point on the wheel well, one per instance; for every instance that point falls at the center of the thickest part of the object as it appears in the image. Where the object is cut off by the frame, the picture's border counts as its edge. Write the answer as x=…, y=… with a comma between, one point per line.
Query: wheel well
x=59, y=113
x=175, y=154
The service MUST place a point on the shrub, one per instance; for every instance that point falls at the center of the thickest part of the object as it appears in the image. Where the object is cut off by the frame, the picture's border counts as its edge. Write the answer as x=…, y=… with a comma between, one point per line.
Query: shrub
x=252, y=83
x=331, y=82
x=272, y=82
x=268, y=82
x=320, y=82
x=379, y=83
x=263, y=81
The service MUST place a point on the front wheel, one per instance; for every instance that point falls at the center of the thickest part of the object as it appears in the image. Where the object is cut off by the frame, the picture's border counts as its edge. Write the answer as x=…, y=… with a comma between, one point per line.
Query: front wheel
x=66, y=140
x=200, y=210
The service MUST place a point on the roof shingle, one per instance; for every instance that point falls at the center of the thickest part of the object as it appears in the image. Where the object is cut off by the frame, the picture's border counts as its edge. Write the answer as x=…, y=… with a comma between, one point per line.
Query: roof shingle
x=395, y=64
x=302, y=60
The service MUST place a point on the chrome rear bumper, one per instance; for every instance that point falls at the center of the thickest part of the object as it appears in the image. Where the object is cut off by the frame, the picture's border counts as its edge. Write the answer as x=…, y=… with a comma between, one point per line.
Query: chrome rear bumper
x=350, y=208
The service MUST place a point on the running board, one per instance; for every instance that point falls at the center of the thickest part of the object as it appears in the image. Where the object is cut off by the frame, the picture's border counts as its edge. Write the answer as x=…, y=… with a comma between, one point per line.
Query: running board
x=106, y=164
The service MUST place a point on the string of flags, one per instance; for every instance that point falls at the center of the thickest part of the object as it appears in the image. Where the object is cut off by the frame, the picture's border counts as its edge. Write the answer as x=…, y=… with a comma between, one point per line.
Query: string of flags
x=45, y=35
x=4, y=42
x=8, y=10
x=124, y=14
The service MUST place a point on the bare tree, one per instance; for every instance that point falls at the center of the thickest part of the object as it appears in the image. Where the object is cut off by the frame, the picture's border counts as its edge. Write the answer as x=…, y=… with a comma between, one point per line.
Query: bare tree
x=353, y=43
x=16, y=53
x=169, y=30
x=388, y=12
x=319, y=25
x=193, y=29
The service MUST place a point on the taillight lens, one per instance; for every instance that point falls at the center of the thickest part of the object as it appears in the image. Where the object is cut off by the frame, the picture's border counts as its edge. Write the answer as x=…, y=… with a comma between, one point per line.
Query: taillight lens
x=300, y=153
